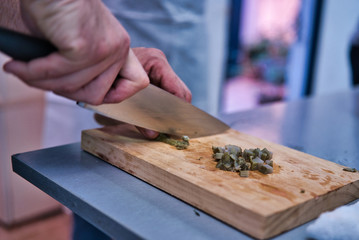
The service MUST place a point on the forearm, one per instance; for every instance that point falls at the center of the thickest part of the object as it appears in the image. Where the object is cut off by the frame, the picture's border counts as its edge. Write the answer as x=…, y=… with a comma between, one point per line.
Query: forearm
x=10, y=16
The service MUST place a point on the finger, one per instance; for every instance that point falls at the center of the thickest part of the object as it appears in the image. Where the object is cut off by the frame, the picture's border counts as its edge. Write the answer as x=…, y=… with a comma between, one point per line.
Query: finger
x=52, y=66
x=175, y=86
x=77, y=80
x=163, y=76
x=150, y=134
x=65, y=83
x=133, y=79
x=95, y=91
x=161, y=73
x=64, y=63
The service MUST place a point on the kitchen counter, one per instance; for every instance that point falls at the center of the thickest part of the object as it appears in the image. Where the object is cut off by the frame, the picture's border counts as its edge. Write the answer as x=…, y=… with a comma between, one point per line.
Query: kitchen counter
x=124, y=206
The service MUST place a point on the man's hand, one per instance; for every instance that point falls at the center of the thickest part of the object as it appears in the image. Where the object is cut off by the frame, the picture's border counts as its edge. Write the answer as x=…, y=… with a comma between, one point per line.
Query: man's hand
x=162, y=75
x=93, y=51
x=94, y=63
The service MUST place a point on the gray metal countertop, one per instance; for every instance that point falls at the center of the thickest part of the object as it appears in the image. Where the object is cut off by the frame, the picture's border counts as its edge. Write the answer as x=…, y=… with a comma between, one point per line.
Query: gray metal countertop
x=127, y=208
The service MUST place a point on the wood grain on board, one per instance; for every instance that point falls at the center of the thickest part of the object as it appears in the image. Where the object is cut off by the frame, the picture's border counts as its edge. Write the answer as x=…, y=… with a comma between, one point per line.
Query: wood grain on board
x=301, y=187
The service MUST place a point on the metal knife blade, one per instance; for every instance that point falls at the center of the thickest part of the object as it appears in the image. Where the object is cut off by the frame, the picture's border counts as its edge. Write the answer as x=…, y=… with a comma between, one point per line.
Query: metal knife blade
x=158, y=110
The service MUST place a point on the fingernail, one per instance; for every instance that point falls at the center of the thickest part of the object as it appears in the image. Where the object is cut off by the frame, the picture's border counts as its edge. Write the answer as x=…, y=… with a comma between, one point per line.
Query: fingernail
x=9, y=67
x=6, y=67
x=150, y=134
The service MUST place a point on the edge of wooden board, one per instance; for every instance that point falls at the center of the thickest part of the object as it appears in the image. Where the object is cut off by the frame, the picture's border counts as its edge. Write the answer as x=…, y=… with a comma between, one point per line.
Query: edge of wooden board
x=252, y=223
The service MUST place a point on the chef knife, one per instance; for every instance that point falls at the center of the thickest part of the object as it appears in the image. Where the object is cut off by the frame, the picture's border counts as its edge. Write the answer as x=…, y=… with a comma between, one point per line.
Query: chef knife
x=158, y=110
x=151, y=108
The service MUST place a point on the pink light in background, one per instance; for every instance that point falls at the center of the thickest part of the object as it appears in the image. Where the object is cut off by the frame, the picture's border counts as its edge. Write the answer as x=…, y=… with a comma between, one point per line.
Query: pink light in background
x=276, y=18
x=273, y=21
x=270, y=19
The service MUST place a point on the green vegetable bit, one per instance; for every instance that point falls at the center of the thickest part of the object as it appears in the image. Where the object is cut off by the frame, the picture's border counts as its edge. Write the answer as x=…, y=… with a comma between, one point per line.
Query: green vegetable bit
x=185, y=138
x=256, y=163
x=244, y=173
x=232, y=149
x=179, y=144
x=217, y=156
x=269, y=162
x=348, y=169
x=266, y=154
x=266, y=169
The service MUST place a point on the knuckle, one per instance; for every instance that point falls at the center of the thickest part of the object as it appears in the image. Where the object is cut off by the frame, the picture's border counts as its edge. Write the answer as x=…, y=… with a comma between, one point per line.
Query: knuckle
x=102, y=50
x=126, y=41
x=116, y=99
x=68, y=88
x=157, y=52
x=189, y=96
x=122, y=44
x=112, y=47
x=80, y=47
x=144, y=82
x=48, y=74
x=156, y=56
x=40, y=73
x=158, y=62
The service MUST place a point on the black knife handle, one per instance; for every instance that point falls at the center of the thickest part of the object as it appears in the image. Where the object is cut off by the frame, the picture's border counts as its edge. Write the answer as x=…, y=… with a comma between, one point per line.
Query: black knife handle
x=23, y=47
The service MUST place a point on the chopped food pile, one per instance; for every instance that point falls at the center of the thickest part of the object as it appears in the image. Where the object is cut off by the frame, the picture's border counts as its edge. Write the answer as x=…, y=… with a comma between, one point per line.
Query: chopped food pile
x=232, y=158
x=180, y=144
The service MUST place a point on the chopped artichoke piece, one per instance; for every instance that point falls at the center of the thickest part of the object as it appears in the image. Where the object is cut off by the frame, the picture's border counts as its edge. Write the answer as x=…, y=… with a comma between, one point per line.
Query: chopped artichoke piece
x=228, y=166
x=217, y=149
x=247, y=153
x=257, y=152
x=269, y=162
x=348, y=169
x=266, y=169
x=233, y=149
x=264, y=156
x=246, y=166
x=234, y=157
x=244, y=173
x=185, y=138
x=256, y=163
x=268, y=153
x=220, y=165
x=218, y=156
x=237, y=165
x=226, y=158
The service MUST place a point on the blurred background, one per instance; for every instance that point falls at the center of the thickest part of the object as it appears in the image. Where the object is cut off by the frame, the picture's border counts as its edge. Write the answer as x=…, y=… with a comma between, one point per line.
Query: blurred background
x=235, y=55
x=286, y=50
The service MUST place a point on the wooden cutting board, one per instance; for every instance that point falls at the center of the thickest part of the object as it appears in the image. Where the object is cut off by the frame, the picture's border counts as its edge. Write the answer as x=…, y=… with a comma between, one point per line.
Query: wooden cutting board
x=300, y=188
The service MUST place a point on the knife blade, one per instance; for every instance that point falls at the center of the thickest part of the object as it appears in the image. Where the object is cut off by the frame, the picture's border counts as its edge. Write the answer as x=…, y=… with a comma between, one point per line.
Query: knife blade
x=158, y=110
x=151, y=108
